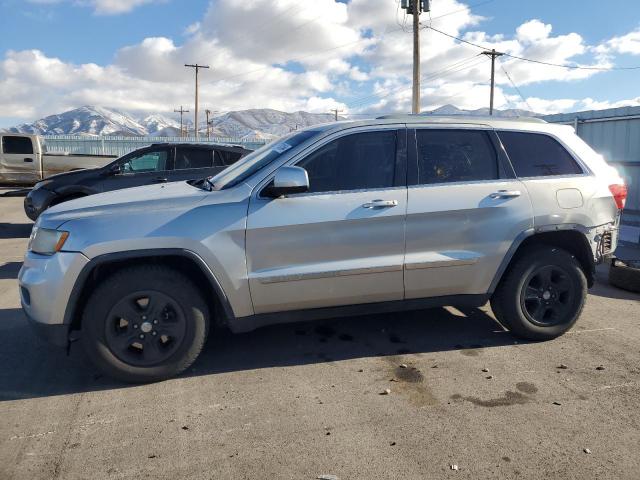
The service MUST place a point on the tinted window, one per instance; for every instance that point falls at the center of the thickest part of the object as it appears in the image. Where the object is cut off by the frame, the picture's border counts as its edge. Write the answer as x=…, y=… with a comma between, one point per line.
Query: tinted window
x=358, y=161
x=455, y=156
x=146, y=162
x=193, y=158
x=223, y=158
x=19, y=145
x=537, y=155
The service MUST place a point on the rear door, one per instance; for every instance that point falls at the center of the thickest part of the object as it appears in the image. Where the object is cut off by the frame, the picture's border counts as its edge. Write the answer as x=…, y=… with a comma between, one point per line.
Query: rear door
x=19, y=159
x=340, y=243
x=193, y=162
x=465, y=210
x=146, y=167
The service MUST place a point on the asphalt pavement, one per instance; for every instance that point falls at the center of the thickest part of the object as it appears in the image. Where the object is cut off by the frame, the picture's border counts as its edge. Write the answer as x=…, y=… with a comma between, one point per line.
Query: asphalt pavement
x=465, y=398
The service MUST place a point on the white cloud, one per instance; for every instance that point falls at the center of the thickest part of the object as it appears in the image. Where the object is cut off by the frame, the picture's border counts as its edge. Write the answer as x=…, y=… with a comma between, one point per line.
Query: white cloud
x=293, y=55
x=629, y=43
x=102, y=7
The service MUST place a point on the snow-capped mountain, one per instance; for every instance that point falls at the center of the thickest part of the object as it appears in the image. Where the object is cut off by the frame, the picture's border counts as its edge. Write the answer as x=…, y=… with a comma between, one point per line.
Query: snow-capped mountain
x=160, y=126
x=88, y=120
x=261, y=123
x=94, y=120
x=453, y=110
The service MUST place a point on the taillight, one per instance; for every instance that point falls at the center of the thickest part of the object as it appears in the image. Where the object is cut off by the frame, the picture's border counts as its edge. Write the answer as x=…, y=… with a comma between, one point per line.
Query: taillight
x=619, y=193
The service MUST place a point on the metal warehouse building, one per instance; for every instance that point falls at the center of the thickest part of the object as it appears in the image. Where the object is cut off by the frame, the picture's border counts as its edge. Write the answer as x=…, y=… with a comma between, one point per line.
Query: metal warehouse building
x=614, y=133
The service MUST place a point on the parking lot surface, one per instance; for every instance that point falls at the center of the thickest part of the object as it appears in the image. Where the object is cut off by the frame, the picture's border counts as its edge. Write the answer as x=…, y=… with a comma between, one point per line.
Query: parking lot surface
x=305, y=400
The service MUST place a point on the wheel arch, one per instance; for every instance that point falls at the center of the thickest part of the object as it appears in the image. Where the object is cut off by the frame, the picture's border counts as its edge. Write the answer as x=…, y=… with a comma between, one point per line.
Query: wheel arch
x=572, y=240
x=182, y=260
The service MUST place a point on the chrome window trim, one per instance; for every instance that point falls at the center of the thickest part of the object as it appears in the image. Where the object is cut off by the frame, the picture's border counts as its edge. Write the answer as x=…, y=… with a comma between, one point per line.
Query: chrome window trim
x=586, y=171
x=481, y=128
x=316, y=145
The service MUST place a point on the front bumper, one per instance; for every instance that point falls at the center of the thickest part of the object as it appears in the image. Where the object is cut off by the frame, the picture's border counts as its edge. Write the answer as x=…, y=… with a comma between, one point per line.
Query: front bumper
x=37, y=201
x=46, y=283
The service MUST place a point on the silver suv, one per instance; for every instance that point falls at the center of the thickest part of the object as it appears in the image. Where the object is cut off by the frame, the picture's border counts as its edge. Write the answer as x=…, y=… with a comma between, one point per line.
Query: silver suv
x=340, y=219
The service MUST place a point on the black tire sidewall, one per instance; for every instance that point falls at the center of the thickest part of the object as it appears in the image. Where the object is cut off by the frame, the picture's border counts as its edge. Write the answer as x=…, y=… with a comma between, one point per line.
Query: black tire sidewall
x=123, y=283
x=509, y=296
x=624, y=277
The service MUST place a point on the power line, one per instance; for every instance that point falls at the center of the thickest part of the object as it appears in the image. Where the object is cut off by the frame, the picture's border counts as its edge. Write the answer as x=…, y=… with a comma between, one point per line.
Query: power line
x=516, y=87
x=355, y=42
x=443, y=73
x=541, y=62
x=453, y=68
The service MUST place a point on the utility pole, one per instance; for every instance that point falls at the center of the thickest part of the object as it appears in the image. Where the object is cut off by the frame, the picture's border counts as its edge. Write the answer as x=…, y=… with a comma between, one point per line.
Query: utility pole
x=335, y=111
x=493, y=54
x=415, y=8
x=197, y=68
x=208, y=112
x=181, y=112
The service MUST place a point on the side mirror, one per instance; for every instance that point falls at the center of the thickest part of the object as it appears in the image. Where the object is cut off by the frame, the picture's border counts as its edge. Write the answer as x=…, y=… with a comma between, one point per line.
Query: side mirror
x=114, y=169
x=288, y=180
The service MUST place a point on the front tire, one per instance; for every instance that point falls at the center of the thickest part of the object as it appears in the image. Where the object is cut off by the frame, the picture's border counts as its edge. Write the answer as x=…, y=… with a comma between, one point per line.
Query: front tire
x=542, y=294
x=144, y=324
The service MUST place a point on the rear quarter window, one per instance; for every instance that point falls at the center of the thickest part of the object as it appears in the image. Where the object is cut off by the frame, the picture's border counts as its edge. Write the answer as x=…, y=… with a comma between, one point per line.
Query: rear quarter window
x=538, y=155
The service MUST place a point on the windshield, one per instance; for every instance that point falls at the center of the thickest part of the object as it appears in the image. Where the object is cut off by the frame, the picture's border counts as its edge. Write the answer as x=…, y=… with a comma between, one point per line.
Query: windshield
x=257, y=160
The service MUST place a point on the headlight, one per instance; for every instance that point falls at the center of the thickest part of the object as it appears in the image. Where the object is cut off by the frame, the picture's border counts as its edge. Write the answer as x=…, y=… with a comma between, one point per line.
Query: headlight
x=46, y=241
x=41, y=184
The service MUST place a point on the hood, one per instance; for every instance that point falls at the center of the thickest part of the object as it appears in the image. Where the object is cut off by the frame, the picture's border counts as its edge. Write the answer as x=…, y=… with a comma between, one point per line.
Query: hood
x=166, y=196
x=59, y=180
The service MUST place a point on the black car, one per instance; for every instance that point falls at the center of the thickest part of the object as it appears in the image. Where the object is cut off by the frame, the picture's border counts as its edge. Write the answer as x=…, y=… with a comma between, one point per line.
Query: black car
x=157, y=163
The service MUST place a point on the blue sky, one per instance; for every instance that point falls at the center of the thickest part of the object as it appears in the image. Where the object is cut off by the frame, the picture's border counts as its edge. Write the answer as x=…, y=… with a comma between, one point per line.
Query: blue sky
x=290, y=55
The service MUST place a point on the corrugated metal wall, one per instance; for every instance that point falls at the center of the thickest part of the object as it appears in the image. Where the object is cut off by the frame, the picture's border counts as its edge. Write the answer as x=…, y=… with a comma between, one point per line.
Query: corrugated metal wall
x=614, y=133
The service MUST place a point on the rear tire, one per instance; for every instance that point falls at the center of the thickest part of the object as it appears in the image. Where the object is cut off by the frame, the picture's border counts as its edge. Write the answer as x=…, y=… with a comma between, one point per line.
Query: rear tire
x=625, y=275
x=542, y=294
x=144, y=324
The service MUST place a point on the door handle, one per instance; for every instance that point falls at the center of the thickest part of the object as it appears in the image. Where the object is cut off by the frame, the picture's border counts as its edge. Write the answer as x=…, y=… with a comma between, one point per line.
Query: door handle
x=160, y=180
x=506, y=194
x=380, y=203
x=30, y=160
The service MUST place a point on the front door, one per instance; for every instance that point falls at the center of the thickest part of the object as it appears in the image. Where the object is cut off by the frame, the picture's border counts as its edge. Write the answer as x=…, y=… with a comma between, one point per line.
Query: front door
x=144, y=168
x=343, y=241
x=465, y=210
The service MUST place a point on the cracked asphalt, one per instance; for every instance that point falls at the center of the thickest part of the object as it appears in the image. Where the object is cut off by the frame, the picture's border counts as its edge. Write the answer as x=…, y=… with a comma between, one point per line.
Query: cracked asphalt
x=303, y=400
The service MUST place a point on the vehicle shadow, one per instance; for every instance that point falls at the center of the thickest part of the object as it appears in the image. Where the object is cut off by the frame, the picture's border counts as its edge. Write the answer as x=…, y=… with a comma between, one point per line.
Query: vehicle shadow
x=9, y=270
x=14, y=192
x=15, y=230
x=32, y=369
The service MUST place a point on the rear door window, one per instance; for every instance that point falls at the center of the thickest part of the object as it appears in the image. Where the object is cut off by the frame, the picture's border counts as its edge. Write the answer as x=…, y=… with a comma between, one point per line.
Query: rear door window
x=193, y=158
x=223, y=158
x=449, y=155
x=17, y=145
x=537, y=155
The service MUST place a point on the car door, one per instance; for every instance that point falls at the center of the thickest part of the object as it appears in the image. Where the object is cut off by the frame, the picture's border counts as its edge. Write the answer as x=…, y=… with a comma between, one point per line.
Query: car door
x=146, y=167
x=465, y=209
x=193, y=162
x=340, y=243
x=20, y=162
